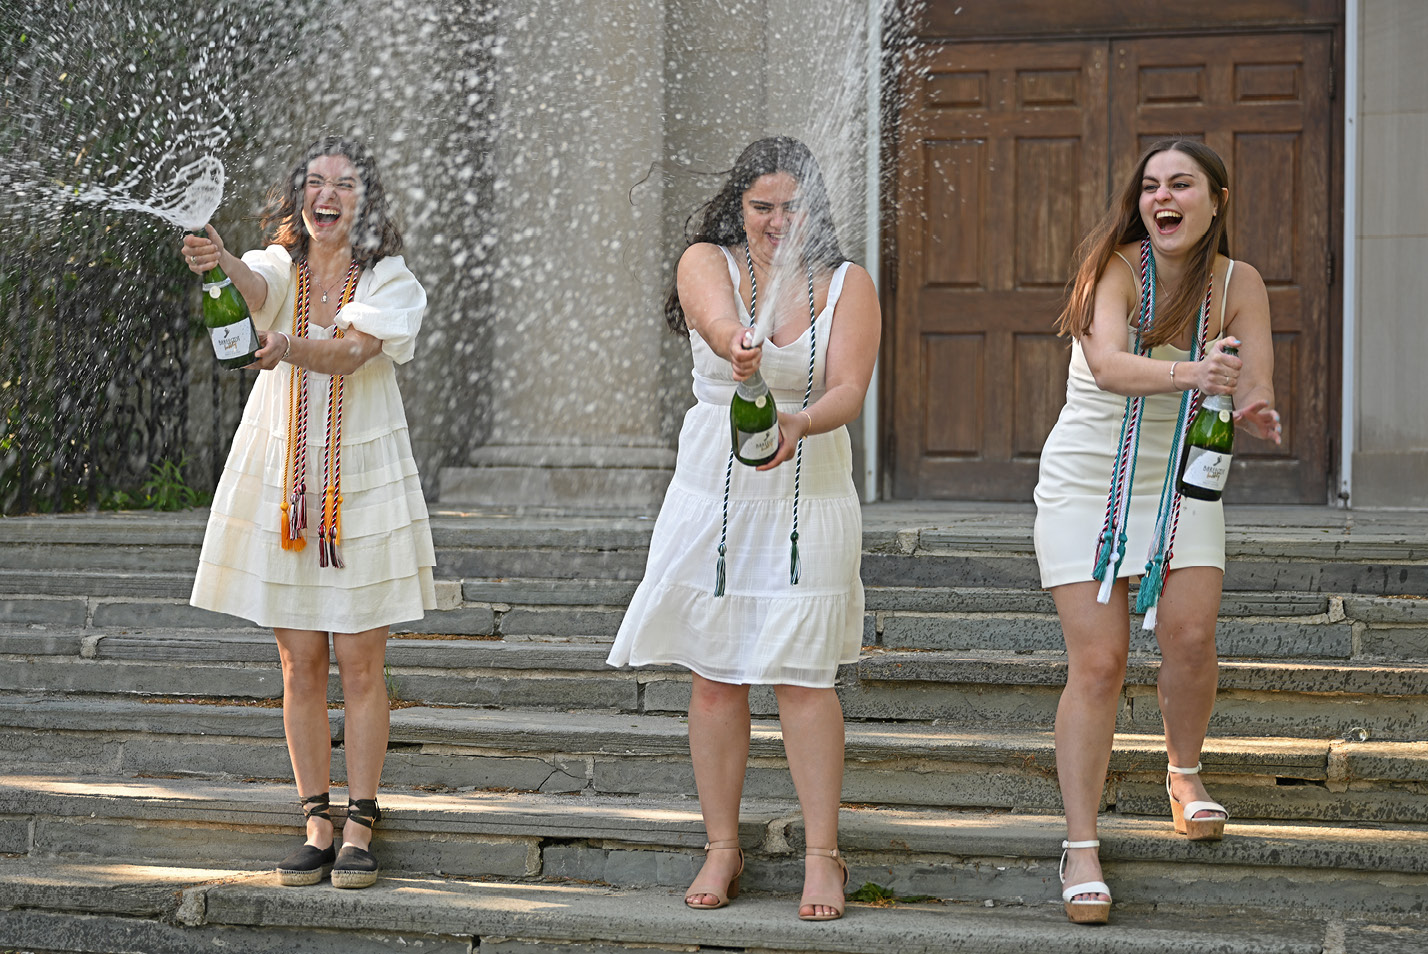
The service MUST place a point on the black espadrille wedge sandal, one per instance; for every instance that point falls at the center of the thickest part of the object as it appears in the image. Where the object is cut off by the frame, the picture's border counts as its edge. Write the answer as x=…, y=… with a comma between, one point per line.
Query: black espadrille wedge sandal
x=309, y=863
x=356, y=867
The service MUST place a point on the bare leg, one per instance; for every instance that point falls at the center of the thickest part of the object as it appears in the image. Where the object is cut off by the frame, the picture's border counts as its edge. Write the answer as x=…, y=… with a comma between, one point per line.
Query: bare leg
x=812, y=721
x=304, y=659
x=1189, y=671
x=719, y=728
x=1097, y=643
x=360, y=661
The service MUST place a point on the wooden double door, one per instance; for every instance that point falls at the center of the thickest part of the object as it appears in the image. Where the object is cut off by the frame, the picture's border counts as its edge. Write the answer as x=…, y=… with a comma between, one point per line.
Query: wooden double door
x=1006, y=153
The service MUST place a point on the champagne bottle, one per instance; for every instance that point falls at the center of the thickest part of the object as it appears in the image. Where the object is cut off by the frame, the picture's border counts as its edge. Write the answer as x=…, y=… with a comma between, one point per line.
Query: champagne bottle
x=1209, y=446
x=753, y=421
x=230, y=326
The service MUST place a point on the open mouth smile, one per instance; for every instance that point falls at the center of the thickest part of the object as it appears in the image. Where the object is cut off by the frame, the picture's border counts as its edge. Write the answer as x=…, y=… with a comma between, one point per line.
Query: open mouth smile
x=1167, y=221
x=325, y=214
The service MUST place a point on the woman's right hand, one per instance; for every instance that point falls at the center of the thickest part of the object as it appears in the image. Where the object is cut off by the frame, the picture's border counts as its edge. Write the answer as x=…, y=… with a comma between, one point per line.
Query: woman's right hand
x=744, y=358
x=1218, y=372
x=201, y=252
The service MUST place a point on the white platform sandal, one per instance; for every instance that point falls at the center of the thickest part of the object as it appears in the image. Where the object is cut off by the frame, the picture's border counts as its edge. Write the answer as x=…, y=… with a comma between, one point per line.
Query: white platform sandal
x=1195, y=829
x=1084, y=911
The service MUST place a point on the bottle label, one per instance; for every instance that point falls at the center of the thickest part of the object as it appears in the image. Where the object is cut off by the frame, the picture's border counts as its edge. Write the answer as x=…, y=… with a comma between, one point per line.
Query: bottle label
x=233, y=341
x=1225, y=417
x=1205, y=468
x=759, y=444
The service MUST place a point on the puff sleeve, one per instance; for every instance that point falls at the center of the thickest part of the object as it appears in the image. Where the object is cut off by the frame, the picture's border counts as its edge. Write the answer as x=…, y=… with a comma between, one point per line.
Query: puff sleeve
x=390, y=309
x=275, y=266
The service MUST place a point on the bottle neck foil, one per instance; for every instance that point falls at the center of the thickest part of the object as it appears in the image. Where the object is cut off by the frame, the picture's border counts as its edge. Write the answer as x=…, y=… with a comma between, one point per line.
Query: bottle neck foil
x=752, y=387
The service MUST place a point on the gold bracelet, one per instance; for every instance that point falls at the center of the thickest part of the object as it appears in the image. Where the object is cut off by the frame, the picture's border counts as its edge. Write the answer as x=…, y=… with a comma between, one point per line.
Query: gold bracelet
x=810, y=423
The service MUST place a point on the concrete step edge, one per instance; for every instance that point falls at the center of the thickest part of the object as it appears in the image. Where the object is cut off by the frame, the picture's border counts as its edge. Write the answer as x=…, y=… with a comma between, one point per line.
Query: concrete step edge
x=448, y=915
x=596, y=733
x=769, y=829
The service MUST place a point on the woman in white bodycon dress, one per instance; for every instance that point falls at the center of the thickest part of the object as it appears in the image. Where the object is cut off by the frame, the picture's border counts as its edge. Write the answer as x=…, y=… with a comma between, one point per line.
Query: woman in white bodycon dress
x=1170, y=213
x=765, y=245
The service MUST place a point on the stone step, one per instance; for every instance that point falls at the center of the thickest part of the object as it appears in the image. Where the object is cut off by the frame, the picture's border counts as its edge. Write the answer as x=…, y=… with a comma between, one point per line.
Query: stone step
x=956, y=856
x=167, y=911
x=943, y=547
x=1306, y=698
x=609, y=754
x=1252, y=624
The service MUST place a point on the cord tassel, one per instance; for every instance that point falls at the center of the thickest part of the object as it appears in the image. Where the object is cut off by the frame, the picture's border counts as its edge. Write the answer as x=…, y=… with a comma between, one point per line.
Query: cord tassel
x=1151, y=585
x=719, y=573
x=284, y=527
x=1103, y=556
x=795, y=567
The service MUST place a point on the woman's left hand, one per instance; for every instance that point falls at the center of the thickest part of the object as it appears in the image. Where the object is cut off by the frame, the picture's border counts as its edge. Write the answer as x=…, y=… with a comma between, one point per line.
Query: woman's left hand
x=1260, y=420
x=272, y=346
x=792, y=428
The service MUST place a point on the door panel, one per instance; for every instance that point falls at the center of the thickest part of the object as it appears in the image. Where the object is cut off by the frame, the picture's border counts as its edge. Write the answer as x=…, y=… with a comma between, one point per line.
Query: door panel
x=1001, y=160
x=1006, y=153
x=1262, y=103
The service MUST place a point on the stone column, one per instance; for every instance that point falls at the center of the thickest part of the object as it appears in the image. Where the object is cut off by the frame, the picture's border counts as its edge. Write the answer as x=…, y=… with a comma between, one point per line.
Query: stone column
x=1391, y=458
x=570, y=415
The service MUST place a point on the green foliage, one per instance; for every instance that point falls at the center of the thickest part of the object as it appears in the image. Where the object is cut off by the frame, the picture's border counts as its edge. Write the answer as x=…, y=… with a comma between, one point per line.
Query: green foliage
x=877, y=895
x=166, y=488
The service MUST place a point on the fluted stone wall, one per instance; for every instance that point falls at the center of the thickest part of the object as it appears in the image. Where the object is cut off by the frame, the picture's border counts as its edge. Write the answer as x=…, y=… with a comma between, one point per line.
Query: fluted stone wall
x=1390, y=462
x=615, y=123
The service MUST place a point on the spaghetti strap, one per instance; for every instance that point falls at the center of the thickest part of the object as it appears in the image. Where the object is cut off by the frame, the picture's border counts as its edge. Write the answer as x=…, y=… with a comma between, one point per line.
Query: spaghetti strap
x=1225, y=297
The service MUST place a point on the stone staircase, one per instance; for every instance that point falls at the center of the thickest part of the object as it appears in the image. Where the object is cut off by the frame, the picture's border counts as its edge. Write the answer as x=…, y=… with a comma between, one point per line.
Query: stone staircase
x=539, y=801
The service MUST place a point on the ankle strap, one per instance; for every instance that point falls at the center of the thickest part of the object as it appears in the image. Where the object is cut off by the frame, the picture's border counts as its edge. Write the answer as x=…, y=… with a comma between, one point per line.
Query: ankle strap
x=721, y=845
x=820, y=852
x=1093, y=843
x=1185, y=771
x=363, y=811
x=316, y=806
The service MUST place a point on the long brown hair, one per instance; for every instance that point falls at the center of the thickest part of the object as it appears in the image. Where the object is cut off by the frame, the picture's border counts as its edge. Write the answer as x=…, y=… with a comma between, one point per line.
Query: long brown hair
x=720, y=221
x=1122, y=225
x=374, y=235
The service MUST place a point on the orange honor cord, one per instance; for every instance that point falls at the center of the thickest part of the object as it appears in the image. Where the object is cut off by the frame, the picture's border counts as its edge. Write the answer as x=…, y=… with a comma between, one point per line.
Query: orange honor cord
x=329, y=531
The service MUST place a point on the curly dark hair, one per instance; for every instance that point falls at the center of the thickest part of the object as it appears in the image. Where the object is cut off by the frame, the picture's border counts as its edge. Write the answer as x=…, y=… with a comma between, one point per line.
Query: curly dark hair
x=374, y=235
x=721, y=219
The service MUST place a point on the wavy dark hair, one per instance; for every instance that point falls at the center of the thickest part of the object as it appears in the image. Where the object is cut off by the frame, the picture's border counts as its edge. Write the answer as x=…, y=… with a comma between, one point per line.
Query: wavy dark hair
x=720, y=221
x=1122, y=225
x=374, y=235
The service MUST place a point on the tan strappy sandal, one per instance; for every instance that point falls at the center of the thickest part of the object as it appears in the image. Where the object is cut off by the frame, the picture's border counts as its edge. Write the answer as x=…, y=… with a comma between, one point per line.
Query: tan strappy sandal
x=1195, y=829
x=836, y=905
x=729, y=892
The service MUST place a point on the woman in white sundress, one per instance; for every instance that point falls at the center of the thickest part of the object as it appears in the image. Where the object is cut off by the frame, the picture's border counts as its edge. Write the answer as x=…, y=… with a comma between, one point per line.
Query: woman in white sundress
x=753, y=573
x=318, y=524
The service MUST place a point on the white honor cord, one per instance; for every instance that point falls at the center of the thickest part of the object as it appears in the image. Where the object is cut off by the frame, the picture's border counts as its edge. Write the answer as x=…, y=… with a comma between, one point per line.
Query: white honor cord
x=1104, y=596
x=1149, y=619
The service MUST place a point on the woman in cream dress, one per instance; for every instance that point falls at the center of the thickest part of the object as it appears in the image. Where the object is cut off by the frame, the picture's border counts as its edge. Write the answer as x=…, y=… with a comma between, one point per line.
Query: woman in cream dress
x=323, y=442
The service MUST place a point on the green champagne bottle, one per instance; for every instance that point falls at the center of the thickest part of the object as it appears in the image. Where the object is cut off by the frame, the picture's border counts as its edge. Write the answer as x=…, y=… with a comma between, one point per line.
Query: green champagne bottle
x=1209, y=447
x=753, y=421
x=230, y=326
